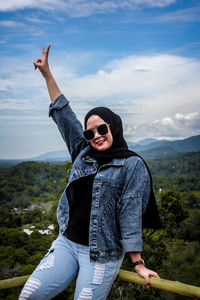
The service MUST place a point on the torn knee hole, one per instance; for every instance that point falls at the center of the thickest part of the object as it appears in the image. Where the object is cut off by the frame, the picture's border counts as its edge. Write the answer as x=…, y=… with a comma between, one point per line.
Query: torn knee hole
x=30, y=287
x=99, y=270
x=86, y=294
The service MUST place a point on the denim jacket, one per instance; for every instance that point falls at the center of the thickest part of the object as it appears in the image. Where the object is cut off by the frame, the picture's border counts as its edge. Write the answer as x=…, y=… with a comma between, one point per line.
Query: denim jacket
x=119, y=197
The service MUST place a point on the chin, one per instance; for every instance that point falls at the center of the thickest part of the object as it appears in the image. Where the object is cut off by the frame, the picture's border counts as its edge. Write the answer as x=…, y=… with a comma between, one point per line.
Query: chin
x=102, y=149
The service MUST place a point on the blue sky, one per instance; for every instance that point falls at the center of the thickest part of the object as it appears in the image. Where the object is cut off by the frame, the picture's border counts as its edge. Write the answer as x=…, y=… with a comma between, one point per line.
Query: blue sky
x=140, y=58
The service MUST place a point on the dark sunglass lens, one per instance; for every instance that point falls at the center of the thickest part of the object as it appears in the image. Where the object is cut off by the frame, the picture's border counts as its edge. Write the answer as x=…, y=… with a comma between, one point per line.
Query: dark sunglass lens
x=102, y=129
x=88, y=134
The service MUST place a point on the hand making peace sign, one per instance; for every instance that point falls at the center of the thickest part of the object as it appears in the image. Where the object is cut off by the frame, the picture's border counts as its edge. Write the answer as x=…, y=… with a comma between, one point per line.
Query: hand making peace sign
x=42, y=63
x=43, y=66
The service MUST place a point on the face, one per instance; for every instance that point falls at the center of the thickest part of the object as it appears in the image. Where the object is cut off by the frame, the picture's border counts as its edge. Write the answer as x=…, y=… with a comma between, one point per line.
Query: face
x=100, y=142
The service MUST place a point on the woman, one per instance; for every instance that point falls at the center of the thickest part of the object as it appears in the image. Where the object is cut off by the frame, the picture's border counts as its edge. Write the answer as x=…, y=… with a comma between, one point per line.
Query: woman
x=100, y=211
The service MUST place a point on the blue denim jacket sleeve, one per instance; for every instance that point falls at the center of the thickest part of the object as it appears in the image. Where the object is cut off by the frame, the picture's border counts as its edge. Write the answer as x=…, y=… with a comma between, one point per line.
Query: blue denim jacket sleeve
x=134, y=202
x=68, y=125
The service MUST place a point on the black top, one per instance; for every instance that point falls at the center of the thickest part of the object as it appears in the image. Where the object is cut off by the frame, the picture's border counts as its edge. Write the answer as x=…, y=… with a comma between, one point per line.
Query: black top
x=79, y=217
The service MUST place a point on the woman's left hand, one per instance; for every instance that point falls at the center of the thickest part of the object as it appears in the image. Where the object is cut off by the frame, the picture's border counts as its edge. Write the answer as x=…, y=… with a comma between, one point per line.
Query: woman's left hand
x=145, y=273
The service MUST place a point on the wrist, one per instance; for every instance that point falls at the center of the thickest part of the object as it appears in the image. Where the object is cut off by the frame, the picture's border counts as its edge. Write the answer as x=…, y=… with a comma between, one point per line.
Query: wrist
x=138, y=263
x=47, y=74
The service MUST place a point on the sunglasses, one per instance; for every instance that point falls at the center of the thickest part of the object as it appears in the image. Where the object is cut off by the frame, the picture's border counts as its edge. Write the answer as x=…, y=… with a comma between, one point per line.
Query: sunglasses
x=89, y=134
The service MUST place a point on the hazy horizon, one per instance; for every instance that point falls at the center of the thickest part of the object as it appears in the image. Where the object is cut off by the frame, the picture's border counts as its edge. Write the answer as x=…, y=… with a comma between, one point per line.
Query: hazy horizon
x=67, y=153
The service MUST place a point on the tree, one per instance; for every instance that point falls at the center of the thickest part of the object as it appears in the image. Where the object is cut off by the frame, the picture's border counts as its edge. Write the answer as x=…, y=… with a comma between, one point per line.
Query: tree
x=171, y=211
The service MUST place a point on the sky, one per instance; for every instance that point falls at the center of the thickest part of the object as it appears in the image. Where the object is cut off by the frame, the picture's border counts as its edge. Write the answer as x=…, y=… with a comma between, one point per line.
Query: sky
x=141, y=58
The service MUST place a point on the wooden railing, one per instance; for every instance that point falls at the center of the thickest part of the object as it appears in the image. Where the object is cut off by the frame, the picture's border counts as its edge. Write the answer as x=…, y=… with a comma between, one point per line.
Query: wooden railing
x=163, y=284
x=159, y=283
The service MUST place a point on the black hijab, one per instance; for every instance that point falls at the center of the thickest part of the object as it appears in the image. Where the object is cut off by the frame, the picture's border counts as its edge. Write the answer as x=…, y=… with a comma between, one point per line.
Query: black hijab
x=119, y=149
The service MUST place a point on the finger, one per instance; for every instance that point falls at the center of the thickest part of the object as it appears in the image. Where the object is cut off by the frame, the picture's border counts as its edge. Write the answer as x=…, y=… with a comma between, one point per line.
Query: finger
x=38, y=60
x=35, y=65
x=147, y=281
x=154, y=274
x=47, y=51
x=43, y=52
x=146, y=286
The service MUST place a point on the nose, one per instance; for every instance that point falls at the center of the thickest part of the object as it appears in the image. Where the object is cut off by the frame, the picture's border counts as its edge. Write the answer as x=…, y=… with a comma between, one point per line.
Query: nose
x=96, y=134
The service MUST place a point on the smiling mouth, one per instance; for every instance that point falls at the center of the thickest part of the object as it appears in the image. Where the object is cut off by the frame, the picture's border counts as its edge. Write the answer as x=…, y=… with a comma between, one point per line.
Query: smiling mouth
x=100, y=142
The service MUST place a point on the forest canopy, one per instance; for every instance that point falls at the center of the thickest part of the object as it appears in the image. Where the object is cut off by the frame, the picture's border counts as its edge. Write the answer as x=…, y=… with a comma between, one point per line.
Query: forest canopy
x=29, y=194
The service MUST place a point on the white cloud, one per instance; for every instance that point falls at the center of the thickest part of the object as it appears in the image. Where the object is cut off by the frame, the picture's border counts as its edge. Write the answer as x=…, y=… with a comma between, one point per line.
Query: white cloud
x=11, y=24
x=37, y=20
x=165, y=84
x=190, y=120
x=82, y=7
x=174, y=127
x=141, y=89
x=179, y=125
x=191, y=14
x=11, y=5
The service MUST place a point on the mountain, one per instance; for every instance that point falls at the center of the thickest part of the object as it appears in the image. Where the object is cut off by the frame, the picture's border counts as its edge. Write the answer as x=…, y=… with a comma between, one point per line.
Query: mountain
x=53, y=156
x=186, y=145
x=146, y=141
x=147, y=148
x=7, y=163
x=160, y=149
x=159, y=152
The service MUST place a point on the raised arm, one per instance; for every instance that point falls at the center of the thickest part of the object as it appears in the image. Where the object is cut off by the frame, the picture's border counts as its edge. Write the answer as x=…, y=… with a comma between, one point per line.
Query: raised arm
x=43, y=65
x=60, y=110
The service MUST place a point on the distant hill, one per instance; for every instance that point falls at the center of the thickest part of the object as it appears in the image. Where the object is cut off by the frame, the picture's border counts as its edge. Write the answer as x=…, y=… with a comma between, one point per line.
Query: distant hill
x=35, y=182
x=185, y=165
x=160, y=149
x=146, y=141
x=61, y=155
x=7, y=163
x=159, y=152
x=51, y=157
x=31, y=181
x=147, y=148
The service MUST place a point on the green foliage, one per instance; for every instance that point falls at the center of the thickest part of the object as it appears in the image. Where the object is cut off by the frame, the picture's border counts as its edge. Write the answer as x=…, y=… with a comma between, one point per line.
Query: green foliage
x=191, y=200
x=184, y=262
x=179, y=174
x=23, y=183
x=8, y=219
x=173, y=252
x=31, y=183
x=171, y=211
x=20, y=257
x=186, y=165
x=189, y=229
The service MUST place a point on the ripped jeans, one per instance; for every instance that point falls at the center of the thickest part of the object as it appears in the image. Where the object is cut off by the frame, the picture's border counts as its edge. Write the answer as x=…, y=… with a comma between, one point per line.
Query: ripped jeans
x=64, y=262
